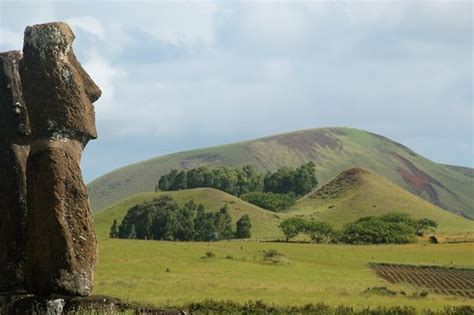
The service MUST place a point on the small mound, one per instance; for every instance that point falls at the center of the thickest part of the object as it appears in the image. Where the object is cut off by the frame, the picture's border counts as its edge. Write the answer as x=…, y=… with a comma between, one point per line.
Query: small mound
x=344, y=182
x=264, y=222
x=357, y=193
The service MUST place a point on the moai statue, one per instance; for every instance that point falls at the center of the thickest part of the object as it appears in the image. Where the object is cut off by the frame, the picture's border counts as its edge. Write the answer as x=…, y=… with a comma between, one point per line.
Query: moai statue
x=14, y=134
x=61, y=247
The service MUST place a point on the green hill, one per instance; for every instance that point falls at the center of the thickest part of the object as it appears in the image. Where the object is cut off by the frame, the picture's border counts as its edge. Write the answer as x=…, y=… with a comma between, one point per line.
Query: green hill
x=357, y=192
x=264, y=223
x=332, y=150
x=352, y=194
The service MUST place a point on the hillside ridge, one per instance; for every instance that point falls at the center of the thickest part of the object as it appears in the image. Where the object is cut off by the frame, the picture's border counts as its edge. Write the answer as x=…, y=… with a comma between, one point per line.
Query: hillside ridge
x=331, y=149
x=345, y=181
x=358, y=192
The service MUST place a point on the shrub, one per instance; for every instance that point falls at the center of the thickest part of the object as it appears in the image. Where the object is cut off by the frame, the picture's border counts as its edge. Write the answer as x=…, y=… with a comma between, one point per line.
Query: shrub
x=380, y=291
x=292, y=227
x=387, y=229
x=318, y=231
x=243, y=227
x=210, y=254
x=114, y=233
x=274, y=257
x=271, y=253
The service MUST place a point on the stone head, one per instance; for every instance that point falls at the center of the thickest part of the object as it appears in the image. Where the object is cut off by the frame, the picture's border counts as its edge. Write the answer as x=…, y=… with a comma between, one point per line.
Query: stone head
x=58, y=91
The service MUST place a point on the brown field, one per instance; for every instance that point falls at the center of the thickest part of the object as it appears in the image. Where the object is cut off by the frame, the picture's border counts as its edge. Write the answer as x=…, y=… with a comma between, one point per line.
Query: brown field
x=441, y=280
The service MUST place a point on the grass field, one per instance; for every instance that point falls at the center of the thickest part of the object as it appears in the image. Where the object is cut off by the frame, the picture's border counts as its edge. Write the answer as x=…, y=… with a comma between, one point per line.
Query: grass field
x=334, y=274
x=136, y=271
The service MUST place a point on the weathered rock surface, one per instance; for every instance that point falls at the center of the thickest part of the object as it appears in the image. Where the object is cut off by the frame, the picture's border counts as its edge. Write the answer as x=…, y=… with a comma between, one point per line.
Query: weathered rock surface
x=61, y=244
x=58, y=90
x=14, y=133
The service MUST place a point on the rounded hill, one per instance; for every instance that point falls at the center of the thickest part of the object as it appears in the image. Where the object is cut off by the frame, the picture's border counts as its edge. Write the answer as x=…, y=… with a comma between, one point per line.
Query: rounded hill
x=331, y=149
x=357, y=193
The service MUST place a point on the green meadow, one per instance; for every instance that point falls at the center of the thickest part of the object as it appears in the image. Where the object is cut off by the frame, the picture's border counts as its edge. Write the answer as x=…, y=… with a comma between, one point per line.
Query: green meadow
x=175, y=274
x=167, y=274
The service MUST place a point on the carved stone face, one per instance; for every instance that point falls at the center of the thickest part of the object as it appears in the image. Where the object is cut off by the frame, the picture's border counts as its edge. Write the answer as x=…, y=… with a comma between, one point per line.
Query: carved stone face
x=58, y=91
x=14, y=123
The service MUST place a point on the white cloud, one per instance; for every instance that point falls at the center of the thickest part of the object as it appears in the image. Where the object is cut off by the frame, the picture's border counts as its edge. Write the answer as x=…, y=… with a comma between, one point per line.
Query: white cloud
x=88, y=24
x=213, y=72
x=182, y=21
x=375, y=12
x=105, y=75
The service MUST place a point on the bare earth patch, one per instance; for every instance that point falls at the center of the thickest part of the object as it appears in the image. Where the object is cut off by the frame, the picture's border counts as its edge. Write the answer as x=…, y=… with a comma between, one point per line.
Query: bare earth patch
x=441, y=280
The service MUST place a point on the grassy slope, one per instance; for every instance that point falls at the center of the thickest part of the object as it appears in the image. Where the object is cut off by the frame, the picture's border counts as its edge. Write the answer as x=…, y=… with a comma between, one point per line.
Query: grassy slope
x=356, y=193
x=467, y=171
x=264, y=223
x=334, y=274
x=353, y=194
x=332, y=149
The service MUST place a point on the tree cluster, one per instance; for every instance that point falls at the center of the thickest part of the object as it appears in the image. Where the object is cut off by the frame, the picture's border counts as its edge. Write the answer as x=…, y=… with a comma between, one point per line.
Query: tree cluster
x=298, y=181
x=236, y=181
x=276, y=191
x=270, y=201
x=163, y=219
x=319, y=232
x=391, y=228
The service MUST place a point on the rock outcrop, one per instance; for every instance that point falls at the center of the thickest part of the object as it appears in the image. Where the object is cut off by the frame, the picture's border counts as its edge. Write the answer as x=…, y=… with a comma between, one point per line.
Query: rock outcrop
x=61, y=246
x=14, y=137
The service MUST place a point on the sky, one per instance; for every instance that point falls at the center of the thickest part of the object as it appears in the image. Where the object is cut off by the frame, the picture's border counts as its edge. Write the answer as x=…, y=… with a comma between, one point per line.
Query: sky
x=188, y=74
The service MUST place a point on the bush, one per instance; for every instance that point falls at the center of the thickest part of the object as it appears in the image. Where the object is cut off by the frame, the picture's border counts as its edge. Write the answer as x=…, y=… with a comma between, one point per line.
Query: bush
x=271, y=253
x=259, y=307
x=318, y=231
x=379, y=230
x=210, y=254
x=270, y=201
x=292, y=227
x=243, y=227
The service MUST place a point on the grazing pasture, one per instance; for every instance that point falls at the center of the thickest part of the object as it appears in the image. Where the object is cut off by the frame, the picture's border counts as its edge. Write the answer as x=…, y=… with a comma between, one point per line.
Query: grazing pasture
x=177, y=273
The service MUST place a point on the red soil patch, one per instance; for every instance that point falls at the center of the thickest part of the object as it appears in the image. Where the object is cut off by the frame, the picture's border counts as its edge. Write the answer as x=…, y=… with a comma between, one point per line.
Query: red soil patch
x=306, y=142
x=418, y=180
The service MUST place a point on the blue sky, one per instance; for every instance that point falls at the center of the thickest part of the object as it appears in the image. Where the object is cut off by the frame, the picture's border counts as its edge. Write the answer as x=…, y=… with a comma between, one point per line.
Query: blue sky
x=188, y=74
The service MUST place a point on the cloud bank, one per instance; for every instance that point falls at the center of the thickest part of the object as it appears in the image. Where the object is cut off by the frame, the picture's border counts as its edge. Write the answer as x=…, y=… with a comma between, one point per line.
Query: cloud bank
x=181, y=75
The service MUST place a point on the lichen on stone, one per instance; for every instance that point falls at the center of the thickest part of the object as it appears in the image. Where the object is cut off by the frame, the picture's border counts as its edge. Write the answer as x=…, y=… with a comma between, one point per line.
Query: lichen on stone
x=50, y=39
